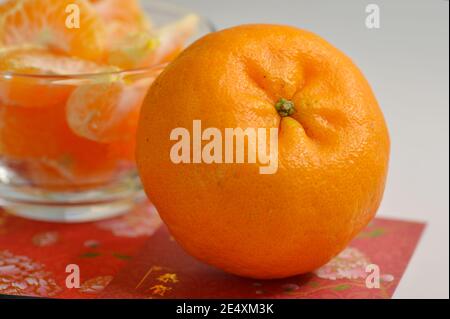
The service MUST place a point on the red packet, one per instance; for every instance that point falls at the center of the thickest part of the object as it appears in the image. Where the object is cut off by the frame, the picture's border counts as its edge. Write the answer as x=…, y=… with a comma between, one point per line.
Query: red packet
x=163, y=270
x=34, y=255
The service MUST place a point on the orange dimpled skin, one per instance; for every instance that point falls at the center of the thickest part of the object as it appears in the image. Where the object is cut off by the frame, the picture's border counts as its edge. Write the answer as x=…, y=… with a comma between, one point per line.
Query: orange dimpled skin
x=333, y=151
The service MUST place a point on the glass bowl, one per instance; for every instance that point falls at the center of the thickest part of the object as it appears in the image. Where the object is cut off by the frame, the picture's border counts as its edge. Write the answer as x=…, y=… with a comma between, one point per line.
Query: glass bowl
x=52, y=168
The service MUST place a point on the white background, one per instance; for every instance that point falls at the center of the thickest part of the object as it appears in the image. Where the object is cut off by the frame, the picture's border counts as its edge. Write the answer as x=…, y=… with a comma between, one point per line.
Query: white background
x=406, y=61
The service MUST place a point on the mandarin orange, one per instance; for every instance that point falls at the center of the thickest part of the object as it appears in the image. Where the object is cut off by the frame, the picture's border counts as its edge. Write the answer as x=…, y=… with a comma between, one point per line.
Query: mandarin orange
x=333, y=150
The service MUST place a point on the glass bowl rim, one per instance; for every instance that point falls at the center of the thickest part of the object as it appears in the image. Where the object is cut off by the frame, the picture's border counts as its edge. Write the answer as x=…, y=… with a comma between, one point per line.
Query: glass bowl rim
x=7, y=75
x=203, y=22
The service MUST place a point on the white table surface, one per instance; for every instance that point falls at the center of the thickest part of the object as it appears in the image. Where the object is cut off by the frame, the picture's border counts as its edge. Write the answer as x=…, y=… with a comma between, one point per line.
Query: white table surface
x=406, y=61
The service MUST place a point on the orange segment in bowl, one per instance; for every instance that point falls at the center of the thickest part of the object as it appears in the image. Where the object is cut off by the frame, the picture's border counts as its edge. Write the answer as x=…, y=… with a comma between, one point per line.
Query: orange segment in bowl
x=51, y=155
x=133, y=50
x=34, y=91
x=106, y=112
x=144, y=49
x=172, y=39
x=123, y=21
x=127, y=14
x=6, y=6
x=47, y=23
x=40, y=61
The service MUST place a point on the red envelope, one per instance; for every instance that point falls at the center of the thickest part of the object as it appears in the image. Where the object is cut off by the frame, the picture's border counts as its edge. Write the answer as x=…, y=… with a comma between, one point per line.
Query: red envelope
x=163, y=270
x=133, y=256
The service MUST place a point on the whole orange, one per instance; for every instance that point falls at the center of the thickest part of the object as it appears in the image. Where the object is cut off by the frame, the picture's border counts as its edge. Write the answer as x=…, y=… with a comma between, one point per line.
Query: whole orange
x=332, y=161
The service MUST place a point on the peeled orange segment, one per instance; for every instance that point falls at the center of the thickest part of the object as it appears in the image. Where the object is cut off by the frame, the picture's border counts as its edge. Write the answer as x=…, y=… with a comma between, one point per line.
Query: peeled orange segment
x=172, y=39
x=124, y=16
x=133, y=51
x=128, y=29
x=53, y=24
x=32, y=92
x=51, y=156
x=18, y=86
x=144, y=49
x=106, y=112
x=125, y=23
x=41, y=61
x=6, y=6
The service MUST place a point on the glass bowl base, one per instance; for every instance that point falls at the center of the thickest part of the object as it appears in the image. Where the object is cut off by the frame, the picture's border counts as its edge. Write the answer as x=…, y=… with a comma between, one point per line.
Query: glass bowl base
x=71, y=213
x=72, y=207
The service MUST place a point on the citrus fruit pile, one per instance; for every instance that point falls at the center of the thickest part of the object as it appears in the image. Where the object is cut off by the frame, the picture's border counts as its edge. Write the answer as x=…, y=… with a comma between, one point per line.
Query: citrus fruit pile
x=68, y=116
x=333, y=150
